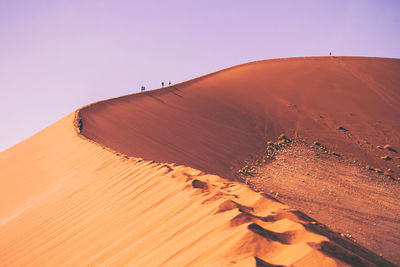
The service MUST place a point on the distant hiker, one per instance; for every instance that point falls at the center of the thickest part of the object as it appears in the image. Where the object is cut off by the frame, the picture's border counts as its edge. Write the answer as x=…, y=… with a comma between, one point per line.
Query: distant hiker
x=143, y=88
x=330, y=53
x=162, y=84
x=169, y=83
x=80, y=125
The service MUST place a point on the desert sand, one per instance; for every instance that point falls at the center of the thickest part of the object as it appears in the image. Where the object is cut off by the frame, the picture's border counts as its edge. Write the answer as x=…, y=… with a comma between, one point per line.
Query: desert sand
x=72, y=202
x=215, y=122
x=152, y=178
x=211, y=122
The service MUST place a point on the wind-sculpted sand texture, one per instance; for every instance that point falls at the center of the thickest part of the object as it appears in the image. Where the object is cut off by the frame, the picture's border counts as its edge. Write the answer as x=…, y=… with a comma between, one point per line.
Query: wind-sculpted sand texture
x=215, y=122
x=73, y=202
x=104, y=197
x=360, y=204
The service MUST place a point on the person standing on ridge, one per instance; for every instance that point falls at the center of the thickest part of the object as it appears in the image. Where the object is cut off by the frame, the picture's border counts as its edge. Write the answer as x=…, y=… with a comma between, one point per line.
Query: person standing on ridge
x=162, y=84
x=80, y=125
x=330, y=53
x=169, y=83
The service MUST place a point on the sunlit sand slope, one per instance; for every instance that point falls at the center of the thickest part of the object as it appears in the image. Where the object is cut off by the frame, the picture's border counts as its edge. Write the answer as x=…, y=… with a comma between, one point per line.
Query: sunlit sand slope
x=68, y=201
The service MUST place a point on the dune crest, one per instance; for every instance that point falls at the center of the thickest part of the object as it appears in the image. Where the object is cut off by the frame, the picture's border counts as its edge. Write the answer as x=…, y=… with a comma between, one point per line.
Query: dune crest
x=69, y=199
x=215, y=123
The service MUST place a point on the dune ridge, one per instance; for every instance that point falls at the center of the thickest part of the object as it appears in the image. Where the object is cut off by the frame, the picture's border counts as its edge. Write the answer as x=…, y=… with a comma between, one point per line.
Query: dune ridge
x=91, y=199
x=215, y=123
x=220, y=118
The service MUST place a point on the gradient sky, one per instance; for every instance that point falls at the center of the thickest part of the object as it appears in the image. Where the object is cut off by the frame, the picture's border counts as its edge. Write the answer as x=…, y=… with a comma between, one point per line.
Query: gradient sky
x=56, y=56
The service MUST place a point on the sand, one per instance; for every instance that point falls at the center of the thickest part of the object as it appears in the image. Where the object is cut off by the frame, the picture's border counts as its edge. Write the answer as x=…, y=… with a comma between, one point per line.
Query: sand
x=213, y=122
x=71, y=202
x=360, y=204
x=90, y=199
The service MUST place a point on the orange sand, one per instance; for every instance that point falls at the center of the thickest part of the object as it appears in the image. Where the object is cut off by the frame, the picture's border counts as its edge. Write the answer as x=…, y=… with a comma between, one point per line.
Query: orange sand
x=67, y=200
x=71, y=202
x=212, y=122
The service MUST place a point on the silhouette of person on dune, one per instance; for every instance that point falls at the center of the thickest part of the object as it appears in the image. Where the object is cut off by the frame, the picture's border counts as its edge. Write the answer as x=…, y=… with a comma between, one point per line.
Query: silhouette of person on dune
x=80, y=125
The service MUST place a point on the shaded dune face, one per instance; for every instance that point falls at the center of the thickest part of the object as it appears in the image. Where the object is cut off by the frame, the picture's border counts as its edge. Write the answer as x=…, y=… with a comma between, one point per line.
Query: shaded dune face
x=212, y=122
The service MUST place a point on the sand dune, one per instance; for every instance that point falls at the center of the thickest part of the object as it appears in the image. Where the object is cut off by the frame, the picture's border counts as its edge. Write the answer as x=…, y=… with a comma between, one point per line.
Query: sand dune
x=90, y=199
x=72, y=202
x=214, y=121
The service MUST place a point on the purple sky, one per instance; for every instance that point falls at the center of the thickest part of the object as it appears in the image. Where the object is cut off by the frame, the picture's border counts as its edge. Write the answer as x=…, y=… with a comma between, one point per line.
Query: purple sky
x=56, y=56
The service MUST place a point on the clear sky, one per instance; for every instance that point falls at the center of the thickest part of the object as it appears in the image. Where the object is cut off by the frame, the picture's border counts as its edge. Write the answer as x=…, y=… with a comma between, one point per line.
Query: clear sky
x=56, y=56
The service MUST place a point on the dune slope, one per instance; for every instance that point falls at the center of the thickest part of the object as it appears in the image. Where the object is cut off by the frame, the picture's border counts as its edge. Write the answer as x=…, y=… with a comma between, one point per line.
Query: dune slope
x=68, y=201
x=90, y=199
x=350, y=105
x=212, y=122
